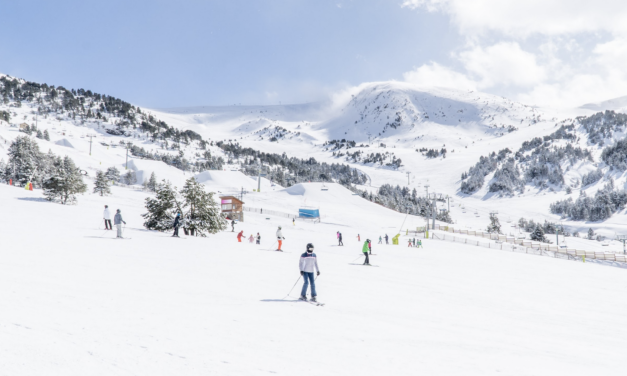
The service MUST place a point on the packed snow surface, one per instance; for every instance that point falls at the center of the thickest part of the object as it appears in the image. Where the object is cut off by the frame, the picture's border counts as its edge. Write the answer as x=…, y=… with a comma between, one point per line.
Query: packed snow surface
x=76, y=301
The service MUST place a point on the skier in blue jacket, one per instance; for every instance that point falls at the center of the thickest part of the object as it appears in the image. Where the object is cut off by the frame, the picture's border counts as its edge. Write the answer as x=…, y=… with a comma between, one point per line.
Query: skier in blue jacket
x=308, y=262
x=176, y=225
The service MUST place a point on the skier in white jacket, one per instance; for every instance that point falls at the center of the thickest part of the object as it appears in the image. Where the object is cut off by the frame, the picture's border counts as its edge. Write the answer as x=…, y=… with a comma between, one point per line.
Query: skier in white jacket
x=107, y=218
x=280, y=238
x=309, y=262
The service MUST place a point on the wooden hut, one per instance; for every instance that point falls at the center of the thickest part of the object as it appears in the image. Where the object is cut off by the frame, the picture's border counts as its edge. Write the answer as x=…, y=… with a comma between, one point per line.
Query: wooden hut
x=232, y=207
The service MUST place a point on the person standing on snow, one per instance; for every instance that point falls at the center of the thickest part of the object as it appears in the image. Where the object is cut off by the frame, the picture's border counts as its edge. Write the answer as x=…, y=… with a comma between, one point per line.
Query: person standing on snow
x=358, y=238
x=340, y=239
x=365, y=250
x=239, y=236
x=107, y=218
x=280, y=238
x=177, y=223
x=258, y=238
x=232, y=225
x=386, y=239
x=251, y=239
x=380, y=240
x=369, y=246
x=117, y=221
x=308, y=261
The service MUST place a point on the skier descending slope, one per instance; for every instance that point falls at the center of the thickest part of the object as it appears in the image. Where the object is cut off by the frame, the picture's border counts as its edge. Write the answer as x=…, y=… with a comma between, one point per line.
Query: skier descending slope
x=117, y=221
x=107, y=218
x=280, y=238
x=365, y=249
x=309, y=261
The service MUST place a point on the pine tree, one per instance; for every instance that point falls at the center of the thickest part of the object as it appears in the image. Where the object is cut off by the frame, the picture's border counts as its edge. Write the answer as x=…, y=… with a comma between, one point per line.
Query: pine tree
x=24, y=157
x=590, y=233
x=39, y=134
x=46, y=135
x=538, y=234
x=161, y=208
x=152, y=183
x=130, y=177
x=203, y=213
x=113, y=175
x=101, y=184
x=64, y=182
x=495, y=224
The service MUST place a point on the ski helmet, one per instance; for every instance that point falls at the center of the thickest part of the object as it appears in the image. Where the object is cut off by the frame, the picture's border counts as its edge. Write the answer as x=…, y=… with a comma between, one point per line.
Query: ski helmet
x=310, y=247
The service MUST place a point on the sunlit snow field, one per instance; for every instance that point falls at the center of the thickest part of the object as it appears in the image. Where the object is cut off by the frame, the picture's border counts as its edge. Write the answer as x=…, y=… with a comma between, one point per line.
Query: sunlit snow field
x=76, y=301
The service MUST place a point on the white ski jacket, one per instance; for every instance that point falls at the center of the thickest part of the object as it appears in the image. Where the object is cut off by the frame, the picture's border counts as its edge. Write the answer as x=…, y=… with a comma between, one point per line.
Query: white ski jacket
x=308, y=261
x=106, y=214
x=279, y=234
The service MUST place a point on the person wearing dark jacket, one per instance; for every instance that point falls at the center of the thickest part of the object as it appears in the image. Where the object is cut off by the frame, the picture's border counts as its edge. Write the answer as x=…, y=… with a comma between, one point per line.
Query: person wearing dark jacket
x=177, y=222
x=340, y=239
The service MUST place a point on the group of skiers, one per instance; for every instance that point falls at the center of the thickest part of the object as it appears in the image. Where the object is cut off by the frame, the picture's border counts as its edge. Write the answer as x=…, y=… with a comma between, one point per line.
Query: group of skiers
x=251, y=238
x=117, y=220
x=415, y=243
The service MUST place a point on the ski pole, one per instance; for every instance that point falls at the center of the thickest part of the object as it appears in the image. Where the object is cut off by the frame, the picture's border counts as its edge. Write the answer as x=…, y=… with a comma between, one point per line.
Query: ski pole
x=288, y=294
x=269, y=249
x=357, y=258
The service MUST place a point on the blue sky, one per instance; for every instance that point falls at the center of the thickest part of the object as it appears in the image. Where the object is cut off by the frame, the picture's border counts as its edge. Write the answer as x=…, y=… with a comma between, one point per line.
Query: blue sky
x=161, y=54
x=185, y=53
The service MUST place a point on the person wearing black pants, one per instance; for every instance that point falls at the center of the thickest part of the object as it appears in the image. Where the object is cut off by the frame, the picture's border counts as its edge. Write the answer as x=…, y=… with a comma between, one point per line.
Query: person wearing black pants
x=176, y=225
x=340, y=240
x=107, y=218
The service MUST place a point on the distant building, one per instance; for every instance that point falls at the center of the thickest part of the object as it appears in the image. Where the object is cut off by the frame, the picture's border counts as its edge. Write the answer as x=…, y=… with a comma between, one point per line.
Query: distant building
x=232, y=207
x=24, y=126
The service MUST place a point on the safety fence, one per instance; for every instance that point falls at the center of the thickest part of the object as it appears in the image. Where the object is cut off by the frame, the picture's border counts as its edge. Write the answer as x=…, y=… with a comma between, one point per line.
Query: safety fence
x=540, y=249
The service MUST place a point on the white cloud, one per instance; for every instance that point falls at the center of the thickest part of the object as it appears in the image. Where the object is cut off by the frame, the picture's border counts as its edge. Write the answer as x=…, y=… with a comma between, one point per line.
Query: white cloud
x=522, y=18
x=434, y=74
x=504, y=64
x=574, y=51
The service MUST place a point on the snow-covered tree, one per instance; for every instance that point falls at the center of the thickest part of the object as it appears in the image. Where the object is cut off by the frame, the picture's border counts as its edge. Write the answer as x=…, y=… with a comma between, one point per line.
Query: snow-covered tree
x=130, y=177
x=202, y=213
x=40, y=135
x=101, y=184
x=538, y=234
x=591, y=233
x=46, y=135
x=162, y=208
x=152, y=183
x=64, y=182
x=113, y=174
x=495, y=225
x=25, y=161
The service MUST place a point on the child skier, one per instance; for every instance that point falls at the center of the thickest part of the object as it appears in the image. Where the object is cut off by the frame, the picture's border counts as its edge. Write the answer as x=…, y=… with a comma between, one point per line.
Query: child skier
x=380, y=240
x=369, y=246
x=308, y=262
x=365, y=250
x=280, y=238
x=340, y=239
x=251, y=239
x=358, y=238
x=239, y=236
x=258, y=238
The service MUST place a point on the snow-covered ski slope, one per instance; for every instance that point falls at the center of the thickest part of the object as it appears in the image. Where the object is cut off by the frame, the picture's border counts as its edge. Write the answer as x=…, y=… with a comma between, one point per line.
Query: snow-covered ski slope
x=77, y=301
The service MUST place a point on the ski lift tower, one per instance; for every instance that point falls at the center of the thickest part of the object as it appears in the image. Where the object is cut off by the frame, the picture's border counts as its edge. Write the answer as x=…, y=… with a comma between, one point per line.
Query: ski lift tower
x=622, y=238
